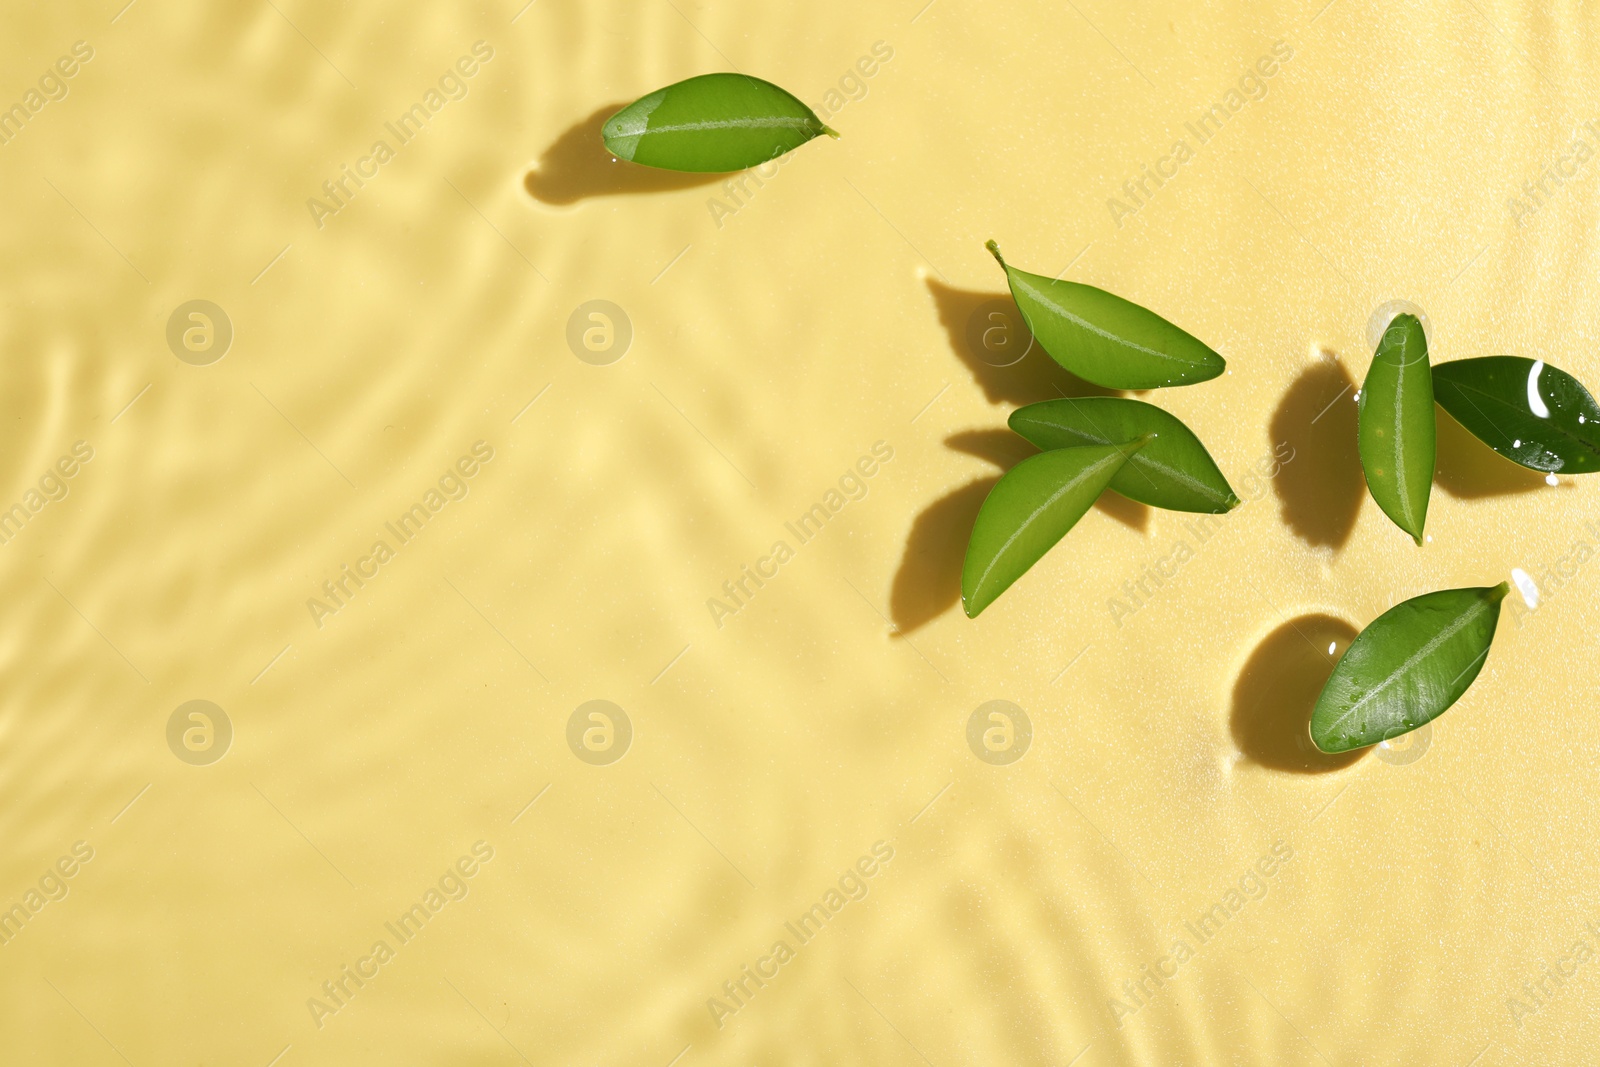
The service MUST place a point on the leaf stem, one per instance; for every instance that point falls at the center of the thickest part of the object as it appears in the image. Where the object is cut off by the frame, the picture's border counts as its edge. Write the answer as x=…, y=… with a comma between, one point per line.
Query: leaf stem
x=994, y=250
x=831, y=132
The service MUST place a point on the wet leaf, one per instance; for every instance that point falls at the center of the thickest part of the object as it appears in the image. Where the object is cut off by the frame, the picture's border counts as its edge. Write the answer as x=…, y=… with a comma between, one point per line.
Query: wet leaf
x=1028, y=511
x=1396, y=430
x=1532, y=414
x=713, y=123
x=1173, y=471
x=1407, y=668
x=1105, y=339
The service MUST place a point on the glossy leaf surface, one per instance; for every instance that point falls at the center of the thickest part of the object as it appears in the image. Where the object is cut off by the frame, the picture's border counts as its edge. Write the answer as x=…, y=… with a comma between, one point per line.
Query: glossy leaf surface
x=1531, y=413
x=1407, y=668
x=713, y=123
x=1172, y=471
x=1031, y=508
x=1105, y=339
x=1396, y=429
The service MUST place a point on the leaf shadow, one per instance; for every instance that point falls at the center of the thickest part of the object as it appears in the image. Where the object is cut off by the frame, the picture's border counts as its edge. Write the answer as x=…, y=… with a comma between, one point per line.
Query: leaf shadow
x=576, y=166
x=1277, y=690
x=928, y=583
x=1321, y=488
x=986, y=332
x=1468, y=469
x=1131, y=513
x=1001, y=447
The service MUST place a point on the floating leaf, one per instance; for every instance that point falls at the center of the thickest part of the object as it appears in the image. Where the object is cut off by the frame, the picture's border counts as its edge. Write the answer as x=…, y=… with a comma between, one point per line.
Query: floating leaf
x=1407, y=668
x=1532, y=414
x=1173, y=471
x=1031, y=508
x=712, y=124
x=1105, y=339
x=1397, y=432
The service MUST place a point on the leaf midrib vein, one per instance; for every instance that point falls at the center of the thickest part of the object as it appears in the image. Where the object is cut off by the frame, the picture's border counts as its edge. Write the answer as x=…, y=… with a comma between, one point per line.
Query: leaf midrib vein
x=752, y=123
x=1399, y=437
x=1560, y=430
x=1426, y=650
x=1140, y=459
x=1023, y=526
x=1039, y=295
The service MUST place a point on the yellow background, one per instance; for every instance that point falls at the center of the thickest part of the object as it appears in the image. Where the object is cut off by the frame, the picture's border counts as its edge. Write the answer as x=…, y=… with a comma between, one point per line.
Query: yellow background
x=769, y=353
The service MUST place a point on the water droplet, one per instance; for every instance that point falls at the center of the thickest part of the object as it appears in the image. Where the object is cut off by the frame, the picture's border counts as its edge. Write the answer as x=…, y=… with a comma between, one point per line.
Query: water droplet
x=1331, y=646
x=1516, y=444
x=1535, y=401
x=1551, y=479
x=1383, y=317
x=1525, y=586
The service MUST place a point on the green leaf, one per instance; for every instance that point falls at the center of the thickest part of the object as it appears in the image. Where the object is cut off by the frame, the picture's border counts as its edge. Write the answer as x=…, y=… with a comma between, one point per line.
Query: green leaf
x=1396, y=428
x=712, y=124
x=1105, y=339
x=1031, y=508
x=1530, y=413
x=1174, y=471
x=1407, y=668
